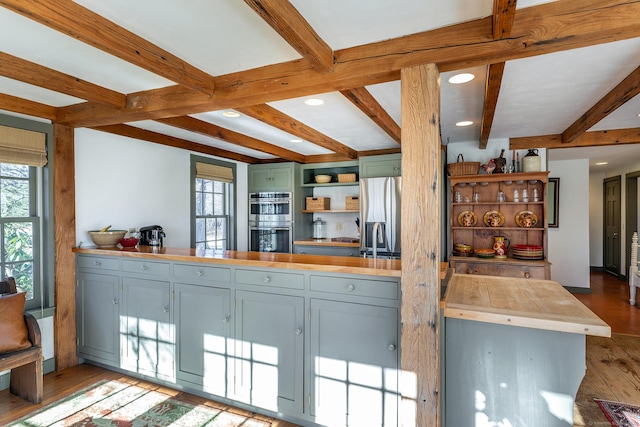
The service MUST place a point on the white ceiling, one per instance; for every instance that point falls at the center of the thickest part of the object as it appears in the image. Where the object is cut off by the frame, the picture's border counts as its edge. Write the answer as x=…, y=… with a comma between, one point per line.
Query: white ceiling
x=539, y=95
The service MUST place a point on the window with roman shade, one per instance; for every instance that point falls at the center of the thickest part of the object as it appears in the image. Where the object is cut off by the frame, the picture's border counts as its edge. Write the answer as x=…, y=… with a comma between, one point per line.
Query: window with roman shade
x=213, y=204
x=22, y=147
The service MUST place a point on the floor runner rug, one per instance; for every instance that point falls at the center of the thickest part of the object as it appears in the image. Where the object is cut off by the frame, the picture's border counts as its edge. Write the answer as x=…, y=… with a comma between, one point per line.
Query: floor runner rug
x=119, y=404
x=620, y=414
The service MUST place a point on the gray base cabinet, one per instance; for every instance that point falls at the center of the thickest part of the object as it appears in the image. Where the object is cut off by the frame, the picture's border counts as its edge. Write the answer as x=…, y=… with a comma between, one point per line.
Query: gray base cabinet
x=97, y=297
x=146, y=330
x=309, y=347
x=203, y=332
x=355, y=356
x=326, y=250
x=269, y=351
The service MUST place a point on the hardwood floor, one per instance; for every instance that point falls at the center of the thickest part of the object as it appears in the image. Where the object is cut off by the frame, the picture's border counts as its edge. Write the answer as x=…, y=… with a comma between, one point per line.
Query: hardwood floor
x=613, y=364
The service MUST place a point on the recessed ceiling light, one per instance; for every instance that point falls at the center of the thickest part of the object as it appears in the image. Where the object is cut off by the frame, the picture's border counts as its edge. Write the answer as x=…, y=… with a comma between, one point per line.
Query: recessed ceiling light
x=314, y=101
x=464, y=123
x=231, y=114
x=295, y=140
x=602, y=163
x=461, y=78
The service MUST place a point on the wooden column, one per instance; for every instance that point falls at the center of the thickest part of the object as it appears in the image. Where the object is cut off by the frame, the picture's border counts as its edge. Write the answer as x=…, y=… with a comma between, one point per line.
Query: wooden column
x=421, y=177
x=64, y=216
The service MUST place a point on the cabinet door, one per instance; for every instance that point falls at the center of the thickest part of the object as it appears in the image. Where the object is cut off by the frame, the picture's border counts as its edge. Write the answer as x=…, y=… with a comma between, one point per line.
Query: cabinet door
x=259, y=179
x=282, y=178
x=146, y=330
x=203, y=324
x=326, y=250
x=269, y=351
x=354, y=364
x=97, y=299
x=388, y=165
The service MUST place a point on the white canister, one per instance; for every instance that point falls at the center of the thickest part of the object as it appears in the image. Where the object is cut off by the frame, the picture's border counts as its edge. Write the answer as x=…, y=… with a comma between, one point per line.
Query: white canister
x=531, y=162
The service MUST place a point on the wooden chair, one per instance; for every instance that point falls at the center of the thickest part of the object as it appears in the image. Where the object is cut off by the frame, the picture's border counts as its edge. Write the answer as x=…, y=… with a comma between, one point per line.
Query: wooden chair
x=25, y=365
x=634, y=274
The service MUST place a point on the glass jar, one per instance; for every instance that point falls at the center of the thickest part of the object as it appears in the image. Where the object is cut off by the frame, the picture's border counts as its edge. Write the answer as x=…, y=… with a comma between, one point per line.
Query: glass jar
x=319, y=229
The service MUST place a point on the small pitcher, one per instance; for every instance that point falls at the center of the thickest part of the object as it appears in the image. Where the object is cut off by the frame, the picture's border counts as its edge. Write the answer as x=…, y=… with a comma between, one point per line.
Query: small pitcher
x=500, y=246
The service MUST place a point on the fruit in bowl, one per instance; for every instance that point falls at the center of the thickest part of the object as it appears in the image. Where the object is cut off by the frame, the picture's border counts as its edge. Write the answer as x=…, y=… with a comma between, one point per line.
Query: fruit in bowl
x=129, y=242
x=106, y=238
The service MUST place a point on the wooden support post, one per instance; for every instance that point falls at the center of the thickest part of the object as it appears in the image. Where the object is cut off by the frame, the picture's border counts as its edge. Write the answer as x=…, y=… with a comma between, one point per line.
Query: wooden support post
x=65, y=237
x=421, y=177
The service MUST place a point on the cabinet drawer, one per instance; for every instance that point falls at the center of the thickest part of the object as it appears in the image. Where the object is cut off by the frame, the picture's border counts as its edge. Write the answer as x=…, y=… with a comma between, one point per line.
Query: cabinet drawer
x=352, y=286
x=98, y=263
x=146, y=267
x=202, y=272
x=503, y=270
x=270, y=278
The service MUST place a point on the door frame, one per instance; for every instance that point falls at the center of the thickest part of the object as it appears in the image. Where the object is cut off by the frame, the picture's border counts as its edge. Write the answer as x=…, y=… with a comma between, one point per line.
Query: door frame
x=617, y=179
x=631, y=214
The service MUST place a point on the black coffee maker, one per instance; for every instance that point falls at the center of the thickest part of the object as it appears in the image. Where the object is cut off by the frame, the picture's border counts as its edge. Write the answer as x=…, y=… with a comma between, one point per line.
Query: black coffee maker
x=151, y=235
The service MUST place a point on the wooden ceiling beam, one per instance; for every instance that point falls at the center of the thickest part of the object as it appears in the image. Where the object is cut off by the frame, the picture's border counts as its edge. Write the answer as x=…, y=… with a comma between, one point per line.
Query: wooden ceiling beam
x=171, y=141
x=80, y=23
x=361, y=98
x=38, y=75
x=504, y=12
x=25, y=106
x=280, y=120
x=618, y=96
x=537, y=30
x=587, y=139
x=209, y=129
x=290, y=24
x=491, y=93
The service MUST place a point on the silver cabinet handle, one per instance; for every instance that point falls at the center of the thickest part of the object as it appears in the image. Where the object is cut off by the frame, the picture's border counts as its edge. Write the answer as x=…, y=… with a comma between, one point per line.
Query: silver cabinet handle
x=166, y=309
x=391, y=347
x=267, y=279
x=351, y=288
x=143, y=267
x=115, y=300
x=226, y=319
x=199, y=273
x=299, y=331
x=97, y=263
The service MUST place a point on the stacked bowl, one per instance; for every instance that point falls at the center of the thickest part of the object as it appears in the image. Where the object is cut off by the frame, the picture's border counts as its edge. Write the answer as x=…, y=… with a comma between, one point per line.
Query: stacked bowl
x=528, y=252
x=462, y=249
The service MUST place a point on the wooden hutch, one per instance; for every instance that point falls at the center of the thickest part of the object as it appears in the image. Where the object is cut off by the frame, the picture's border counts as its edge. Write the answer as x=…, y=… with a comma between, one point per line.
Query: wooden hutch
x=475, y=201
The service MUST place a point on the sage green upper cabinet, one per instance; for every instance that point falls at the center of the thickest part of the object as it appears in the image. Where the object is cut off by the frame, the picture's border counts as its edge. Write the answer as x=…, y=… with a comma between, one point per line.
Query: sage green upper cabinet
x=271, y=177
x=383, y=165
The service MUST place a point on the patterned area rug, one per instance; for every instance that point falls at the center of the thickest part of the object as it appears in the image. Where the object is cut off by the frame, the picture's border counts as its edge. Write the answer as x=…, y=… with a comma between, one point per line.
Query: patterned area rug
x=620, y=414
x=115, y=403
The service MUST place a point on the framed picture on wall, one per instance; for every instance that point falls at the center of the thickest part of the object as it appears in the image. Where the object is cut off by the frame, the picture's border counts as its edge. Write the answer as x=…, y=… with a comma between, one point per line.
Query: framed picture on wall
x=553, y=198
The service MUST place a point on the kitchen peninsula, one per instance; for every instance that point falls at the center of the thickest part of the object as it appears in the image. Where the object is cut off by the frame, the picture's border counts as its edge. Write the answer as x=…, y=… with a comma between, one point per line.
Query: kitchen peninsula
x=299, y=336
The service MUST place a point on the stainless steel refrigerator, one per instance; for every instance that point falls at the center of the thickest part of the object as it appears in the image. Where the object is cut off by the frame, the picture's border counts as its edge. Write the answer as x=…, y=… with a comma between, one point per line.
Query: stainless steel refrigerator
x=380, y=202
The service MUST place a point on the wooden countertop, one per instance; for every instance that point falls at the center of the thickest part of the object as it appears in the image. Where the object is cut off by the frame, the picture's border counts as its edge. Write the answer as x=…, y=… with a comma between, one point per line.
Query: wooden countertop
x=326, y=242
x=529, y=303
x=350, y=265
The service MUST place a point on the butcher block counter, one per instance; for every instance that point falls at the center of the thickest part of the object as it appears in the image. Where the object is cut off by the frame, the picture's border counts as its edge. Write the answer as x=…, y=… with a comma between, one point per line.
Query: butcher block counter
x=352, y=265
x=516, y=345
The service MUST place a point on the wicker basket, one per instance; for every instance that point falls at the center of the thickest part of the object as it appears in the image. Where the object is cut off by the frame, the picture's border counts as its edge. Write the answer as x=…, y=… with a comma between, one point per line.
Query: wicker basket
x=352, y=203
x=346, y=177
x=462, y=167
x=318, y=203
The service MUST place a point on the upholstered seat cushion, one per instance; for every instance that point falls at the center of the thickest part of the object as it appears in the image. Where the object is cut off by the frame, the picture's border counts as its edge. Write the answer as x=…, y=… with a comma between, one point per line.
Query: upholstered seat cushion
x=13, y=330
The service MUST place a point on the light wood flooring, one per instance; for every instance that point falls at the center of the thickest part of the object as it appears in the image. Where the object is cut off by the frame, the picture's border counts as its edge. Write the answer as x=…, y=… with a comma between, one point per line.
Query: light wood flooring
x=613, y=364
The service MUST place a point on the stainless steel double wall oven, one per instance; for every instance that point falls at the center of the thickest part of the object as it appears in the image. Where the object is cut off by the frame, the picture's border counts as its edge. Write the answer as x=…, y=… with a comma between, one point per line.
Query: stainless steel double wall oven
x=270, y=222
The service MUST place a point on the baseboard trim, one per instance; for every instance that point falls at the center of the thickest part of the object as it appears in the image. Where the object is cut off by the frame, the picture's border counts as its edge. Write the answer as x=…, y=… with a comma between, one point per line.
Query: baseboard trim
x=576, y=290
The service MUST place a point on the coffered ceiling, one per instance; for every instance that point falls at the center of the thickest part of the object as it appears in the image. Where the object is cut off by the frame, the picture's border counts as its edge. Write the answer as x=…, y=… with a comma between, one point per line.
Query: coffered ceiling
x=554, y=74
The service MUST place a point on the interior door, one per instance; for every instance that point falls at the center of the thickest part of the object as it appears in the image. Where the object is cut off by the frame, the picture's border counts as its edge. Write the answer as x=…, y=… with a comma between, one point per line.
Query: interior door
x=612, y=220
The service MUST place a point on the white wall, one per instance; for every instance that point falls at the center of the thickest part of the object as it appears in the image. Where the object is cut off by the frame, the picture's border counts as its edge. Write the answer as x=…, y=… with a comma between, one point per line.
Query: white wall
x=568, y=245
x=596, y=220
x=125, y=183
